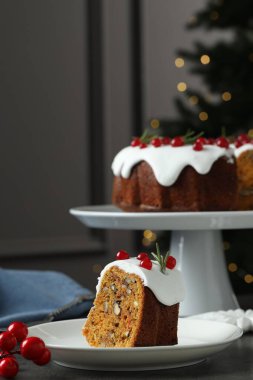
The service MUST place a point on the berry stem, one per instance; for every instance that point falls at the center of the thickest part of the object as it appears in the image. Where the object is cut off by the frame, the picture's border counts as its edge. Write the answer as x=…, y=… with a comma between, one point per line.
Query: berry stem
x=9, y=354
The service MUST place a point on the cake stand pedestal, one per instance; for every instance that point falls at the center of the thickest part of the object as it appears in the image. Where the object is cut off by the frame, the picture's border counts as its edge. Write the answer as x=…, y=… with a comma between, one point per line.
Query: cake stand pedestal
x=196, y=242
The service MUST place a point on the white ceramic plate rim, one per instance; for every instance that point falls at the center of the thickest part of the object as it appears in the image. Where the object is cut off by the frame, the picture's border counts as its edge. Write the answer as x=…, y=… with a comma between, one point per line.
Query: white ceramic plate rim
x=109, y=216
x=236, y=334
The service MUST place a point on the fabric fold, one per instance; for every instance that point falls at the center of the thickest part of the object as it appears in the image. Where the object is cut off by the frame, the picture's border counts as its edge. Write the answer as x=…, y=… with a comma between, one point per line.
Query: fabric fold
x=30, y=296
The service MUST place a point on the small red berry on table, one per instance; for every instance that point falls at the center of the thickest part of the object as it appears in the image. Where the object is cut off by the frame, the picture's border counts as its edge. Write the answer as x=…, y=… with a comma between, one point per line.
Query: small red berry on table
x=177, y=141
x=44, y=358
x=8, y=367
x=7, y=341
x=32, y=348
x=122, y=255
x=19, y=329
x=143, y=145
x=146, y=263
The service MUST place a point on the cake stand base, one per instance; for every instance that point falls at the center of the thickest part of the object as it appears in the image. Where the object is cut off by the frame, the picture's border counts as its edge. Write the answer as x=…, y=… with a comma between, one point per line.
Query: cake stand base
x=200, y=257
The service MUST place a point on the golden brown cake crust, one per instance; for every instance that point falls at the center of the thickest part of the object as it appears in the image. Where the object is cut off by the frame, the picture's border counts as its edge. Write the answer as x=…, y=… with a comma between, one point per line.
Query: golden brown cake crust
x=245, y=181
x=214, y=191
x=127, y=314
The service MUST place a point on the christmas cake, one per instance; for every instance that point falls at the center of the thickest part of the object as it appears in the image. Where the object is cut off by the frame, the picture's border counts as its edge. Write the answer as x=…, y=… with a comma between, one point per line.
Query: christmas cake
x=137, y=303
x=243, y=149
x=164, y=175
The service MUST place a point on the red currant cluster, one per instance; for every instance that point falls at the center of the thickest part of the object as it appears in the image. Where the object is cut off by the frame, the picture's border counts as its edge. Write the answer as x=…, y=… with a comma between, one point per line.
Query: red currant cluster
x=145, y=261
x=31, y=348
x=243, y=139
x=221, y=141
x=178, y=141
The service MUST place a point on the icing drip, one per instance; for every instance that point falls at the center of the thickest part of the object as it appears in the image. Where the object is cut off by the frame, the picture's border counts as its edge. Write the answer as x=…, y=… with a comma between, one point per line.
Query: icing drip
x=167, y=162
x=241, y=149
x=168, y=288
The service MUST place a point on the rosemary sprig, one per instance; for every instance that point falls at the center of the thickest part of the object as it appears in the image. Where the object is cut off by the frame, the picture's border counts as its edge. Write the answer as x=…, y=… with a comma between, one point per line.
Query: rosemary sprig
x=190, y=138
x=162, y=260
x=146, y=137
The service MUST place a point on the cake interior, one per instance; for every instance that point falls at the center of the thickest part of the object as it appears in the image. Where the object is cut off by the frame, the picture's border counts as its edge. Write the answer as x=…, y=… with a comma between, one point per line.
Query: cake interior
x=127, y=314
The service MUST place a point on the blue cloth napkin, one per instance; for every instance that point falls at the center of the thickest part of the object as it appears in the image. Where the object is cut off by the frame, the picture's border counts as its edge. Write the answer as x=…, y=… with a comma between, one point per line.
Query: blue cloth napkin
x=29, y=296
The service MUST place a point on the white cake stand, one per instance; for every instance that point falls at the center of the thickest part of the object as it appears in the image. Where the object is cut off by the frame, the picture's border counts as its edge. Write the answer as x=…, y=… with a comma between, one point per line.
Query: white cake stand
x=196, y=243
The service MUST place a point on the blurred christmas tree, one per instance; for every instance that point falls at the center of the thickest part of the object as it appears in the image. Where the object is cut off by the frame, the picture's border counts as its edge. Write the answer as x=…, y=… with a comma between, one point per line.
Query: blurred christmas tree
x=224, y=102
x=225, y=69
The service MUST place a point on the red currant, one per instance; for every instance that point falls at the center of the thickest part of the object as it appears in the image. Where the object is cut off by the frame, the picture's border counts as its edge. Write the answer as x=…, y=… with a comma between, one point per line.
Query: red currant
x=142, y=256
x=197, y=146
x=222, y=142
x=143, y=145
x=122, y=255
x=166, y=140
x=44, y=358
x=238, y=143
x=244, y=138
x=202, y=140
x=8, y=367
x=177, y=141
x=146, y=263
x=136, y=142
x=171, y=262
x=32, y=348
x=7, y=341
x=210, y=141
x=19, y=329
x=156, y=142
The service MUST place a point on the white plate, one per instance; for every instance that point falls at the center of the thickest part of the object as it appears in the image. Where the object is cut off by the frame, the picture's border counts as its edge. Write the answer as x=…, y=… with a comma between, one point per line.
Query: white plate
x=109, y=216
x=198, y=339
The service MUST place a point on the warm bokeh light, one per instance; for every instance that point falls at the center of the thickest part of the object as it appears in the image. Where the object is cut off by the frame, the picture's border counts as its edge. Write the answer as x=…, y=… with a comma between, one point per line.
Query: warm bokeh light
x=153, y=237
x=232, y=267
x=181, y=86
x=179, y=62
x=193, y=99
x=148, y=234
x=251, y=57
x=248, y=278
x=226, y=96
x=155, y=123
x=205, y=59
x=203, y=116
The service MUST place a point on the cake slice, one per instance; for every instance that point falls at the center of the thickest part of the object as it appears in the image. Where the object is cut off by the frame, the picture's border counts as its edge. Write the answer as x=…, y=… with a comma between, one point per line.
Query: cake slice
x=135, y=306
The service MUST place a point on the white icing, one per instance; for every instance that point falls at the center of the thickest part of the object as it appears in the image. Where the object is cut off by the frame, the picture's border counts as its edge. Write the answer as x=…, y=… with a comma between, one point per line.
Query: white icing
x=167, y=287
x=241, y=149
x=167, y=162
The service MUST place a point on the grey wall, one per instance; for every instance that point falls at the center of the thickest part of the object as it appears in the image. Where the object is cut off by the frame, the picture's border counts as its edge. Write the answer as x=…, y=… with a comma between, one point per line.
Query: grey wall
x=43, y=123
x=48, y=144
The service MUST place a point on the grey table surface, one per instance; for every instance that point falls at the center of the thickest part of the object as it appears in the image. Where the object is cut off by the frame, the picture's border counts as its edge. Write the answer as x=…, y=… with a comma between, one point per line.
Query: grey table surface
x=235, y=362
